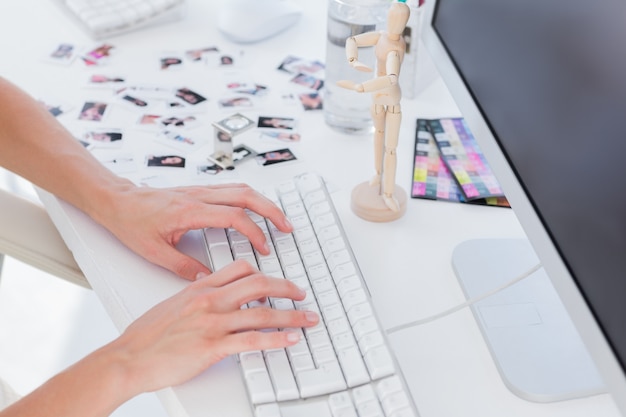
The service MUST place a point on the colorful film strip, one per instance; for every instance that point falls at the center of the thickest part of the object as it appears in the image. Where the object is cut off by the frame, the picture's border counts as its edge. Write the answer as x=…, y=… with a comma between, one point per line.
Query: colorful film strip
x=464, y=158
x=431, y=178
x=452, y=168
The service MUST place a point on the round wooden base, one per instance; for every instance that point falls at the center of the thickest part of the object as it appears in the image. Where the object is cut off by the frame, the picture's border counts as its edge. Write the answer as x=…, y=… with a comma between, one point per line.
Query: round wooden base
x=368, y=204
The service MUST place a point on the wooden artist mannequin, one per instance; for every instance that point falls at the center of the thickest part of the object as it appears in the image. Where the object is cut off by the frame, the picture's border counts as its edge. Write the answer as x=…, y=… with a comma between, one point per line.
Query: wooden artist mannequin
x=379, y=199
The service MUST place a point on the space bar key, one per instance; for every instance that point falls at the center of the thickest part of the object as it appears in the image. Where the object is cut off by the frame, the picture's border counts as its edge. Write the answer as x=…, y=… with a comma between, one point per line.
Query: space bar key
x=324, y=380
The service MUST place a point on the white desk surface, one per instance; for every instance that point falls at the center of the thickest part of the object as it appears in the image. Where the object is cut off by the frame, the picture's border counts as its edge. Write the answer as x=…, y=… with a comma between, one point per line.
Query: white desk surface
x=405, y=263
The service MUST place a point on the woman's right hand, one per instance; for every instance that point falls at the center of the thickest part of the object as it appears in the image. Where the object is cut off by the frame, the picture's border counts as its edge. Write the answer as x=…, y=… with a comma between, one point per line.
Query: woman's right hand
x=185, y=334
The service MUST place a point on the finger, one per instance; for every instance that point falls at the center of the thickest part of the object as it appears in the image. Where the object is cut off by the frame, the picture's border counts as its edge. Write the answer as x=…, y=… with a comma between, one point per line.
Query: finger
x=244, y=196
x=256, y=340
x=224, y=216
x=257, y=286
x=268, y=318
x=230, y=273
x=182, y=265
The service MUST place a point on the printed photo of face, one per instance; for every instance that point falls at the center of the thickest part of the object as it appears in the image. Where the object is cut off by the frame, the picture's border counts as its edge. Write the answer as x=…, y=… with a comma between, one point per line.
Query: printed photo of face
x=104, y=136
x=166, y=161
x=92, y=111
x=189, y=96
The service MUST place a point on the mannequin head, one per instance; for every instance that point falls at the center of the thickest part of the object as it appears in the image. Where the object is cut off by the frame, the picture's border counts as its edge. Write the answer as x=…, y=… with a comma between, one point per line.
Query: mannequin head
x=397, y=18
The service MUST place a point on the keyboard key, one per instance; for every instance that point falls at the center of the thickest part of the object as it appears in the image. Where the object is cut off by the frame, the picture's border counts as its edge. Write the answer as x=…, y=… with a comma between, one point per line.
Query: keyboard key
x=353, y=366
x=312, y=198
x=395, y=402
x=323, y=355
x=268, y=410
x=252, y=362
x=337, y=258
x=333, y=245
x=302, y=363
x=359, y=312
x=324, y=380
x=215, y=236
x=281, y=376
x=307, y=183
x=260, y=387
x=388, y=386
x=379, y=362
x=370, y=341
x=341, y=405
x=242, y=249
x=290, y=198
x=309, y=246
x=366, y=402
x=318, y=207
x=348, y=284
x=220, y=256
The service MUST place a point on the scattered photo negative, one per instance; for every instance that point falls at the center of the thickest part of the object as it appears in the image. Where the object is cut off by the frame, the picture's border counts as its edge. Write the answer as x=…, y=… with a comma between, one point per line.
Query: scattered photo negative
x=63, y=53
x=295, y=65
x=104, y=137
x=134, y=102
x=275, y=157
x=189, y=96
x=171, y=61
x=282, y=123
x=98, y=55
x=93, y=111
x=311, y=101
x=178, y=140
x=308, y=81
x=235, y=102
x=282, y=136
x=200, y=54
x=169, y=161
x=114, y=82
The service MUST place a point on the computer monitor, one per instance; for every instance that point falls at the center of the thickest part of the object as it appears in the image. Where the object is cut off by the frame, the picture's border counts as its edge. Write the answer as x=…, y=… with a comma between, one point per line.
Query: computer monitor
x=542, y=85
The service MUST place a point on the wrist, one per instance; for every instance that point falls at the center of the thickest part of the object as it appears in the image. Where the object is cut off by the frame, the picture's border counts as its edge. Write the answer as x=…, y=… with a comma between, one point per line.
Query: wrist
x=94, y=386
x=105, y=197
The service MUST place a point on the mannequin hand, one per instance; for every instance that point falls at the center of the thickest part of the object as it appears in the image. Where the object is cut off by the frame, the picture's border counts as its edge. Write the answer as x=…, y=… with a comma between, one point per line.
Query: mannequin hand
x=358, y=65
x=196, y=328
x=350, y=85
x=152, y=221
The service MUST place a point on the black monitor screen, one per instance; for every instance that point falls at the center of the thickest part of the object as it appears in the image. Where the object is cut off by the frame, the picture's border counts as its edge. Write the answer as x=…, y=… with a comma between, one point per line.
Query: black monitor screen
x=549, y=77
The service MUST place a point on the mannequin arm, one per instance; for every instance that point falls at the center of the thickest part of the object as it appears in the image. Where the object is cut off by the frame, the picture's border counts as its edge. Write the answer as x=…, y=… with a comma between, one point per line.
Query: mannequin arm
x=378, y=83
x=353, y=43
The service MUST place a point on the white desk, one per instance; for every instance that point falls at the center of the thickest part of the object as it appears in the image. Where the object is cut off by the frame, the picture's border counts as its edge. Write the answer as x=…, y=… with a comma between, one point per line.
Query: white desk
x=446, y=363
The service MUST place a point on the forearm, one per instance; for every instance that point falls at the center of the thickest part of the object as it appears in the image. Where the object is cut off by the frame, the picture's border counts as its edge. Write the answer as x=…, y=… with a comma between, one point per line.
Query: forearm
x=379, y=83
x=35, y=146
x=93, y=387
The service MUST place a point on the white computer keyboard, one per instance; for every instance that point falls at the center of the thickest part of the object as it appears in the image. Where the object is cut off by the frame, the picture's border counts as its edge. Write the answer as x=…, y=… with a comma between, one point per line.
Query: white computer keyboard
x=343, y=367
x=103, y=18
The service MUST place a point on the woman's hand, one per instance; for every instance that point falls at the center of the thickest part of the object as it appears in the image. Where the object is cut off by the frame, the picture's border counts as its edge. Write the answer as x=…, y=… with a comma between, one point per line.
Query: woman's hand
x=171, y=343
x=204, y=323
x=152, y=221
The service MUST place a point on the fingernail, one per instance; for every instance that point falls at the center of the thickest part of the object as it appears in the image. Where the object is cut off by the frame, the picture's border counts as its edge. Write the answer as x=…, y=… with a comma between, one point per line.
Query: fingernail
x=288, y=224
x=201, y=275
x=311, y=316
x=266, y=247
x=293, y=337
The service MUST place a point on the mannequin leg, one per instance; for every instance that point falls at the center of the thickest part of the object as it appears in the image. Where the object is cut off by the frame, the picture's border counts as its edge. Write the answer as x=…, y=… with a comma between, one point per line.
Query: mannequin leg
x=378, y=116
x=392, y=129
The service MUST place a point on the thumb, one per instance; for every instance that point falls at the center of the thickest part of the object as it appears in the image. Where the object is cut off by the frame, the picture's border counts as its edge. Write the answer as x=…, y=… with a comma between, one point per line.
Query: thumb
x=182, y=265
